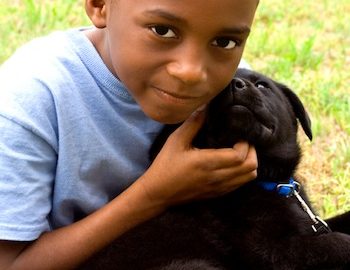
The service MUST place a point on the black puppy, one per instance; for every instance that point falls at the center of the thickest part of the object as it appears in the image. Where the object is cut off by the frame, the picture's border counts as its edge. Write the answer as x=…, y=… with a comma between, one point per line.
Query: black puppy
x=265, y=224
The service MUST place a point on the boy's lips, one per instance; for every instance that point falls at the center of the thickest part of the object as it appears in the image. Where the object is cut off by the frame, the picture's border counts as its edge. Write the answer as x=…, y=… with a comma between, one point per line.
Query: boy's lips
x=174, y=97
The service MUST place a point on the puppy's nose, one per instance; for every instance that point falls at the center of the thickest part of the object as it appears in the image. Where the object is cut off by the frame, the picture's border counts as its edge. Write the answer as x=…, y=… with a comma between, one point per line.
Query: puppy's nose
x=239, y=84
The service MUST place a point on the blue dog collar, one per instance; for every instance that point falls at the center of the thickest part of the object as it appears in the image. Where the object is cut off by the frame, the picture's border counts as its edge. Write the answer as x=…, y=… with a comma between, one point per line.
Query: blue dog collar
x=286, y=190
x=290, y=189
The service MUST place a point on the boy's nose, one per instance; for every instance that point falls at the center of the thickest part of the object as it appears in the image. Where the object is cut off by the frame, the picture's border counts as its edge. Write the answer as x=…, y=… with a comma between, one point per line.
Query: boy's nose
x=188, y=67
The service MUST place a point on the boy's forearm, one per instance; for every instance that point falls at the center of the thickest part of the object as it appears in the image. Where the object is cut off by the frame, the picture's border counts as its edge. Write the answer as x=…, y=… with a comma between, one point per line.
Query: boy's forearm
x=69, y=246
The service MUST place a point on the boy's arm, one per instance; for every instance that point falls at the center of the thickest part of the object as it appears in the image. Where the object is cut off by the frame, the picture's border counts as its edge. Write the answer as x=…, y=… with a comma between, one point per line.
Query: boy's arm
x=67, y=247
x=165, y=183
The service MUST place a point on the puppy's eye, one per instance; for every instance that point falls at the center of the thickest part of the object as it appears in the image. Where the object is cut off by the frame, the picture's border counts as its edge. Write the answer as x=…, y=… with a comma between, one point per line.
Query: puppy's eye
x=262, y=85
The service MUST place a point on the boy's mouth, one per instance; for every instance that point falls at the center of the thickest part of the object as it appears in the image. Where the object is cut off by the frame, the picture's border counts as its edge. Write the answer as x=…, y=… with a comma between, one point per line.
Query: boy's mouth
x=173, y=97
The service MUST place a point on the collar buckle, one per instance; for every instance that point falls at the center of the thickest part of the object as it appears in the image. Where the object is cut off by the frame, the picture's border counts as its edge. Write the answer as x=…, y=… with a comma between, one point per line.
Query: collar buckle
x=288, y=189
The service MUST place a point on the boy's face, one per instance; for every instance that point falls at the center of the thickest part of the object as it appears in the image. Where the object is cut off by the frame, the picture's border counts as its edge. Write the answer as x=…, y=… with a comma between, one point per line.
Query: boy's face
x=173, y=55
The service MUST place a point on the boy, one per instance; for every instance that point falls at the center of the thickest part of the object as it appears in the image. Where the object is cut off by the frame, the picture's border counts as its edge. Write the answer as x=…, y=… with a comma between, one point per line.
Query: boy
x=80, y=109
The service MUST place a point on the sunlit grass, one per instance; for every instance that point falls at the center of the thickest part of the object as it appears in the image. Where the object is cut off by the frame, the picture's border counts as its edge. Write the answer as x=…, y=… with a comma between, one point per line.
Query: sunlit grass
x=22, y=20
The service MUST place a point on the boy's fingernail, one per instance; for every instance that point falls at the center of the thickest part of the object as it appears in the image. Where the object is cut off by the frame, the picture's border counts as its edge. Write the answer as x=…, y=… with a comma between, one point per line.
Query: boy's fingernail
x=199, y=111
x=202, y=108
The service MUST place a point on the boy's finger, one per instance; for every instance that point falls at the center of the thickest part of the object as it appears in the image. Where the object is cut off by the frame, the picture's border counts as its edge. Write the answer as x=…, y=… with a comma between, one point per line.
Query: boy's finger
x=228, y=156
x=242, y=149
x=241, y=153
x=189, y=129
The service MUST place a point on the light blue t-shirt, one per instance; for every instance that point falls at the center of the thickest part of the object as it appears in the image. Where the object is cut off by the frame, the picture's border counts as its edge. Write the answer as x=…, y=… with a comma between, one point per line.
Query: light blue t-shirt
x=71, y=136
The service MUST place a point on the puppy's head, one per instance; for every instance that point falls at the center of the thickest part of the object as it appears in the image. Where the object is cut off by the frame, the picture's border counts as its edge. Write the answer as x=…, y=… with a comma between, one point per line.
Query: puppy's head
x=259, y=110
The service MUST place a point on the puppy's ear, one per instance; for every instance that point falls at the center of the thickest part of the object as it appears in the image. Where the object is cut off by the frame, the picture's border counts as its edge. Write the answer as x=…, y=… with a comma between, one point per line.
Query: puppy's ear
x=298, y=108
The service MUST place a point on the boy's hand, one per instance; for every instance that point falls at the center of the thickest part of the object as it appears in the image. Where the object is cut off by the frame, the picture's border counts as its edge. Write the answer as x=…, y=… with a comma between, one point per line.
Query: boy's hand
x=182, y=173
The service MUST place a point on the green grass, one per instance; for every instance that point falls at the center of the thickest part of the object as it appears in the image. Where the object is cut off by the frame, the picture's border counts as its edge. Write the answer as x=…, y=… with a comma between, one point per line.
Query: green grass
x=22, y=20
x=304, y=44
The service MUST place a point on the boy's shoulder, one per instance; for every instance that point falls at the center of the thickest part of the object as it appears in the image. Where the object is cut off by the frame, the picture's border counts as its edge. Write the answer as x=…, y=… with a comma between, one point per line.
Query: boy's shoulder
x=43, y=75
x=48, y=66
x=42, y=56
x=55, y=62
x=34, y=70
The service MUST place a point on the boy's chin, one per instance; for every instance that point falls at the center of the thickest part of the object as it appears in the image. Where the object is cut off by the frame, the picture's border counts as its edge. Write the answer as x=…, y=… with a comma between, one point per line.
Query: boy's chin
x=168, y=119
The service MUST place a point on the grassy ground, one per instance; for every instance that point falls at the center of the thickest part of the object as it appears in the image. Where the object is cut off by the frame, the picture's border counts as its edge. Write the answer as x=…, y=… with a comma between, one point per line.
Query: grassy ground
x=305, y=44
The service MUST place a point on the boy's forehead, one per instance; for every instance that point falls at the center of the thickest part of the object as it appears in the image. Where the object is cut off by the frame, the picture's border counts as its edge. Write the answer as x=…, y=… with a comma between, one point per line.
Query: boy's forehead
x=206, y=12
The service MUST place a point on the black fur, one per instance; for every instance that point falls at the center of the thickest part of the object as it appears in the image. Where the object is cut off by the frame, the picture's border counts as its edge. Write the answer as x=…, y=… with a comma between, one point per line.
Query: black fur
x=250, y=228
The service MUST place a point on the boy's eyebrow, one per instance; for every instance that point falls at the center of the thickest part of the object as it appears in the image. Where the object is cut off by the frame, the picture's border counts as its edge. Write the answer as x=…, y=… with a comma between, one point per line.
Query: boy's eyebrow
x=172, y=17
x=164, y=14
x=236, y=30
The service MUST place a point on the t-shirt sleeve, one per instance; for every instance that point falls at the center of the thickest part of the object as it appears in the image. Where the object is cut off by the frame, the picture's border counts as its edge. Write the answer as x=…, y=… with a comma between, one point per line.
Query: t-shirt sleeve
x=27, y=167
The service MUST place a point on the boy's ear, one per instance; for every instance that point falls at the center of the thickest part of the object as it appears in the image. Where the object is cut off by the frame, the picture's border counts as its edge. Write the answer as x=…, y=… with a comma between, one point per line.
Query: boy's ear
x=96, y=10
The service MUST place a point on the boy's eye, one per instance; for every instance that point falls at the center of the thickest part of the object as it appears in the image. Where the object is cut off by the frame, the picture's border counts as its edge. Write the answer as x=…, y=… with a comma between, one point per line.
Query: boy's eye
x=225, y=43
x=163, y=31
